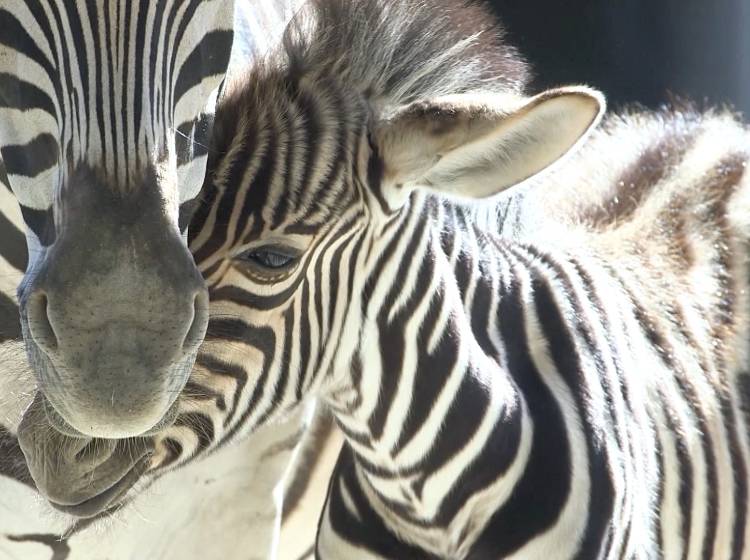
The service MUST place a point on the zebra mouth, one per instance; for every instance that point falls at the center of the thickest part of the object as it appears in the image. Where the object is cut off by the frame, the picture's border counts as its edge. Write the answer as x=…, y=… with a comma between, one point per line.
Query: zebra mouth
x=108, y=499
x=83, y=477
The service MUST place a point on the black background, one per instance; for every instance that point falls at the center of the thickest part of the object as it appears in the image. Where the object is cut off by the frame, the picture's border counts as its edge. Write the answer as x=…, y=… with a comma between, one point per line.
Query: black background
x=637, y=50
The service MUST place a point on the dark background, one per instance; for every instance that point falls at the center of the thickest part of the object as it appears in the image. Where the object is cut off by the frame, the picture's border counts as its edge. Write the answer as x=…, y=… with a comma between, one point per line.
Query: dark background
x=637, y=50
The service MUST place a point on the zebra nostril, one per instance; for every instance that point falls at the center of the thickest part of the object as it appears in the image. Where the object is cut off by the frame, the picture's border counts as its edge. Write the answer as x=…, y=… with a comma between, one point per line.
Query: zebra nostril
x=38, y=319
x=197, y=329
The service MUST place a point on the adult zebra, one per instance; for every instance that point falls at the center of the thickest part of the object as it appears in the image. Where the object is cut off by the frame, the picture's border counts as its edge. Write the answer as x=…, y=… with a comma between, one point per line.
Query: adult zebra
x=103, y=112
x=230, y=492
x=559, y=372
x=103, y=108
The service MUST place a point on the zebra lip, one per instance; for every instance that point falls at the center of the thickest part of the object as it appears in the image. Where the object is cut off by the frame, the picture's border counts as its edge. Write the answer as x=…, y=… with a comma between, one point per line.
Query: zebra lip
x=59, y=423
x=110, y=497
x=167, y=420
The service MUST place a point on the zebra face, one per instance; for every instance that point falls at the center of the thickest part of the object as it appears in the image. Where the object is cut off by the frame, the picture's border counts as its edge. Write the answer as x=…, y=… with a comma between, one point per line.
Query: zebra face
x=105, y=112
x=306, y=190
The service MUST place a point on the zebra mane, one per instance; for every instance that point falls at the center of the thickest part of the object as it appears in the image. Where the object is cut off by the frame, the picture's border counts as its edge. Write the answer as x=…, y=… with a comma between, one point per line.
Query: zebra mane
x=398, y=51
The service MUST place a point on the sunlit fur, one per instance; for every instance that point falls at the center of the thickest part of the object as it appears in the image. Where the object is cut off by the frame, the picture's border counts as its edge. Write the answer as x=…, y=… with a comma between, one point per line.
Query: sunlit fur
x=558, y=372
x=172, y=512
x=106, y=107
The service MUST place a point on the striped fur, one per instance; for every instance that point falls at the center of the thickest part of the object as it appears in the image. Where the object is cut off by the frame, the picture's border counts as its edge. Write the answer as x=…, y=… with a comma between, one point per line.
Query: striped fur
x=105, y=115
x=172, y=513
x=84, y=94
x=556, y=372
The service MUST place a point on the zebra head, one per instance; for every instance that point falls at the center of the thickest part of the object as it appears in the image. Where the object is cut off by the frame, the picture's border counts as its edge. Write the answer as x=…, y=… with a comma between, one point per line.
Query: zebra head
x=319, y=155
x=105, y=109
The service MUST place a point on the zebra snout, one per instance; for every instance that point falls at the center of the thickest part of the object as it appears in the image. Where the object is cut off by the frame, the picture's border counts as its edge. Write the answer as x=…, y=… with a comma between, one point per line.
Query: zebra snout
x=39, y=325
x=199, y=324
x=115, y=370
x=45, y=337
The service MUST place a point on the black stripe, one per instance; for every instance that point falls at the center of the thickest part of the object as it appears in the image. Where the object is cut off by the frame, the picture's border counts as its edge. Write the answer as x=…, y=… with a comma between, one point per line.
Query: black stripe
x=138, y=78
x=739, y=474
x=41, y=222
x=13, y=246
x=186, y=212
x=493, y=460
x=33, y=158
x=375, y=172
x=201, y=425
x=219, y=367
x=312, y=127
x=77, y=45
x=566, y=357
x=174, y=453
x=110, y=126
x=282, y=382
x=327, y=194
x=12, y=461
x=63, y=68
x=182, y=24
x=17, y=93
x=540, y=494
x=198, y=392
x=209, y=58
x=192, y=138
x=124, y=84
x=60, y=547
x=15, y=38
x=364, y=528
x=305, y=344
x=261, y=338
x=602, y=496
x=482, y=321
x=257, y=193
x=434, y=370
x=254, y=301
x=10, y=322
x=288, y=140
x=4, y=176
x=91, y=6
x=391, y=340
x=462, y=272
x=685, y=496
x=156, y=24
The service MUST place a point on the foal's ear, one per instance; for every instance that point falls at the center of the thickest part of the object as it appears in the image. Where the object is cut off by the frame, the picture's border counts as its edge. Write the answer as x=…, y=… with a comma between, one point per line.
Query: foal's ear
x=475, y=145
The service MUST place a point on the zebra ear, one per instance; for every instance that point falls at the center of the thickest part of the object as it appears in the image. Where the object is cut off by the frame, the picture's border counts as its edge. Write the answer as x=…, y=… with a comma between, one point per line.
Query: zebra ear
x=478, y=145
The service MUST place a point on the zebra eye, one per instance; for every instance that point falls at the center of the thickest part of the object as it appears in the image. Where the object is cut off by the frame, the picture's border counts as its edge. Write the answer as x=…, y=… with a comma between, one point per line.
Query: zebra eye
x=267, y=259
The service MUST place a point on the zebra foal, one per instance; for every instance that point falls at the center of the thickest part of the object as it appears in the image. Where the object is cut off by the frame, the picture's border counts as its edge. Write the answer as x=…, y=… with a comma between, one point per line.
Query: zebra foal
x=557, y=371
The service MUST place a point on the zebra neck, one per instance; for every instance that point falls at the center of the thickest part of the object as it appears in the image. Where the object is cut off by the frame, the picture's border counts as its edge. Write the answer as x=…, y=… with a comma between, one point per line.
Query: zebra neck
x=431, y=356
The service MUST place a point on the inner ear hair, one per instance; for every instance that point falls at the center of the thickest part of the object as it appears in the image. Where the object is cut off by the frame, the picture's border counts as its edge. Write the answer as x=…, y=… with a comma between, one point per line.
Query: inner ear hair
x=476, y=145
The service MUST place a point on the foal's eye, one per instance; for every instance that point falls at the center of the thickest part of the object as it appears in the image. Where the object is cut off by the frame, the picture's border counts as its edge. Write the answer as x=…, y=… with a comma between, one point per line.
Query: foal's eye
x=268, y=259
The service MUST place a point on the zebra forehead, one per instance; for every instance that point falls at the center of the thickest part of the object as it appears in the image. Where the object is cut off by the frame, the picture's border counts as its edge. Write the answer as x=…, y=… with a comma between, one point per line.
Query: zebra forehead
x=118, y=86
x=395, y=53
x=290, y=135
